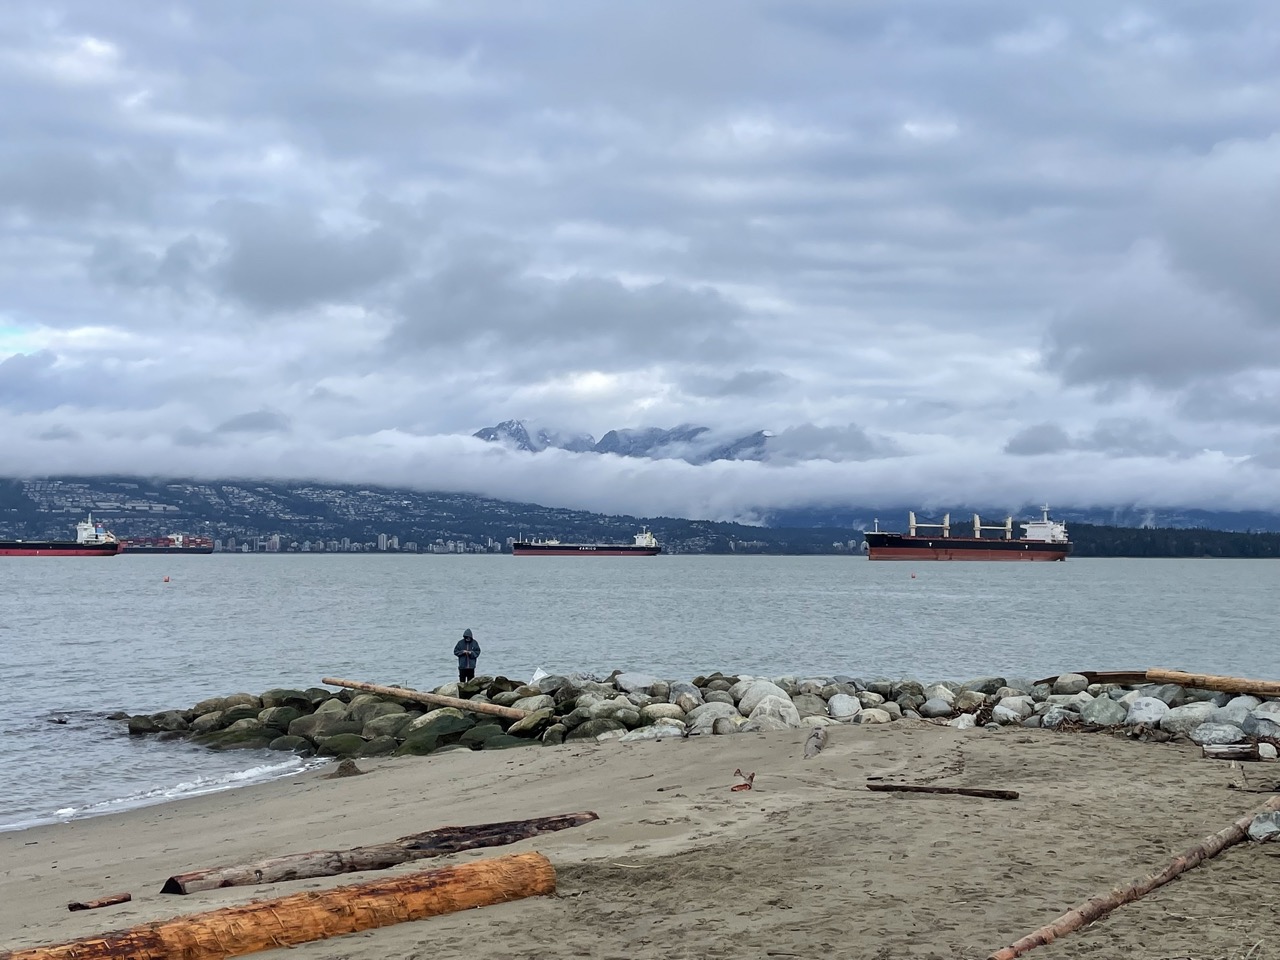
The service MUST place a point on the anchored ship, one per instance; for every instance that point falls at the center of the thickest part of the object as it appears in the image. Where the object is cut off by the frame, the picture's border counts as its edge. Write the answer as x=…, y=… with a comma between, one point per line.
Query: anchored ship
x=173, y=543
x=645, y=545
x=92, y=540
x=1042, y=539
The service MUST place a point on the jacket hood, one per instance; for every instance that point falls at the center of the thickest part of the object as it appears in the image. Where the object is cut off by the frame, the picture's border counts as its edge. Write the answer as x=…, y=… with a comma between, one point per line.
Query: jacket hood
x=466, y=634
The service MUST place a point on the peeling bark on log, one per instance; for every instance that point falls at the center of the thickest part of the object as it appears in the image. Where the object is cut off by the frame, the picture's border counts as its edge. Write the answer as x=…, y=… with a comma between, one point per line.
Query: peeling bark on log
x=417, y=846
x=817, y=740
x=100, y=902
x=962, y=791
x=1099, y=907
x=508, y=713
x=1231, y=751
x=1209, y=681
x=303, y=917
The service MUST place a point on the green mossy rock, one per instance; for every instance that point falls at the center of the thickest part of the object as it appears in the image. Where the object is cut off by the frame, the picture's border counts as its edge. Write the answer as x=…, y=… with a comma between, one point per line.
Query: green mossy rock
x=299, y=745
x=242, y=700
x=480, y=733
x=439, y=723
x=532, y=725
x=341, y=745
x=141, y=725
x=240, y=711
x=379, y=747
x=317, y=696
x=590, y=729
x=334, y=706
x=318, y=726
x=283, y=697
x=212, y=705
x=388, y=725
x=418, y=745
x=369, y=707
x=207, y=722
x=553, y=736
x=279, y=717
x=238, y=739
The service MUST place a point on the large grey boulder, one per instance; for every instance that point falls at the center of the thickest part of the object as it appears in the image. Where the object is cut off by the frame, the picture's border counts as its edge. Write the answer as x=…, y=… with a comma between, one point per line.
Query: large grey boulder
x=1104, y=711
x=701, y=719
x=757, y=691
x=279, y=717
x=935, y=707
x=656, y=731
x=1235, y=710
x=661, y=711
x=533, y=704
x=1070, y=683
x=634, y=682
x=1148, y=710
x=1216, y=733
x=765, y=723
x=874, y=715
x=940, y=691
x=388, y=725
x=1187, y=717
x=533, y=724
x=987, y=686
x=844, y=707
x=777, y=708
x=591, y=729
x=685, y=694
x=809, y=705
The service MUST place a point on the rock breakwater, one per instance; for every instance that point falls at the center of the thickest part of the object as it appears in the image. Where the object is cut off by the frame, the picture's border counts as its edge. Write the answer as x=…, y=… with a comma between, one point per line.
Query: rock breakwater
x=629, y=706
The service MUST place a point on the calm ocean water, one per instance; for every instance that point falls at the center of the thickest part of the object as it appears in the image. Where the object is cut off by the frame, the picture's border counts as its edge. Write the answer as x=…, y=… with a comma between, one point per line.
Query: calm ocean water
x=80, y=638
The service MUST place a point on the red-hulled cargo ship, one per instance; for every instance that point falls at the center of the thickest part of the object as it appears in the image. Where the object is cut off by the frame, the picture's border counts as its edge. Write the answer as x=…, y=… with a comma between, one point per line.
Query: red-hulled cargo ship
x=173, y=543
x=645, y=545
x=92, y=540
x=1042, y=539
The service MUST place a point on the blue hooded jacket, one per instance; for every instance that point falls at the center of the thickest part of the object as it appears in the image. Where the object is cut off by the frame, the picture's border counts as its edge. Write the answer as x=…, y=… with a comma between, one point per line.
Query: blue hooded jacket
x=467, y=651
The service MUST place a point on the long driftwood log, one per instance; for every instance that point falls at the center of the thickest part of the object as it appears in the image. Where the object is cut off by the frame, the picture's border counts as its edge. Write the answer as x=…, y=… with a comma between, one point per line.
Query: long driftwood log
x=109, y=901
x=1209, y=681
x=317, y=915
x=417, y=846
x=1231, y=751
x=962, y=791
x=403, y=693
x=1099, y=907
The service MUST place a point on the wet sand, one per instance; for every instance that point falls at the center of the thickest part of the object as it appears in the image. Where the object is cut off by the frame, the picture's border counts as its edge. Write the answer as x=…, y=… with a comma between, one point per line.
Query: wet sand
x=808, y=864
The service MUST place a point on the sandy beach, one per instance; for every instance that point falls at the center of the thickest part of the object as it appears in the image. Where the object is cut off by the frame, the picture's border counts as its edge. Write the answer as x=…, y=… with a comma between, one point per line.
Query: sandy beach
x=807, y=864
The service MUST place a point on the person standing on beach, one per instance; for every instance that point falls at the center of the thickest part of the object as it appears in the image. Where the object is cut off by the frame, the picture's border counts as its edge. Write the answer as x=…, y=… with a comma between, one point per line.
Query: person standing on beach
x=467, y=651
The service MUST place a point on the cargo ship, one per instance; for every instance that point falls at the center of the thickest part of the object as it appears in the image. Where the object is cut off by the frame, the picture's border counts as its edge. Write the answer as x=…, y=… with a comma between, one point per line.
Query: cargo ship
x=645, y=545
x=1042, y=539
x=173, y=543
x=92, y=540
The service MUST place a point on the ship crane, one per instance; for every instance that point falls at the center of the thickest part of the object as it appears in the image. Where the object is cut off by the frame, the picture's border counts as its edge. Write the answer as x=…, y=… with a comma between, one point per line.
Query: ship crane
x=944, y=526
x=979, y=526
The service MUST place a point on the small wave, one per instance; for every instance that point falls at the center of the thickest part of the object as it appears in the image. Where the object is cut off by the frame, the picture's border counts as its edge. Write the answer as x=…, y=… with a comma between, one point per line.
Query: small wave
x=163, y=793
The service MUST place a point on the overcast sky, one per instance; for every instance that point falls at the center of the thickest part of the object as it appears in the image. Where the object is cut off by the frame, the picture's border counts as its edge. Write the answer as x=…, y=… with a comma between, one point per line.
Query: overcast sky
x=988, y=251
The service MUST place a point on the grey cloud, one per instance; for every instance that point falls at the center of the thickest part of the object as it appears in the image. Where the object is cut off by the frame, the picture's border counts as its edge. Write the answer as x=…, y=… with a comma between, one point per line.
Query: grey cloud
x=1120, y=437
x=1148, y=324
x=118, y=262
x=845, y=443
x=744, y=383
x=284, y=259
x=1039, y=438
x=23, y=378
x=257, y=421
x=65, y=183
x=487, y=300
x=58, y=432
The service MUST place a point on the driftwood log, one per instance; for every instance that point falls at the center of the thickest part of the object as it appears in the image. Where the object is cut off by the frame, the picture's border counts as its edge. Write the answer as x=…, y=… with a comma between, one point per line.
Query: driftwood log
x=1209, y=681
x=1231, y=751
x=303, y=917
x=962, y=791
x=403, y=693
x=1199, y=681
x=417, y=846
x=817, y=740
x=1099, y=907
x=110, y=901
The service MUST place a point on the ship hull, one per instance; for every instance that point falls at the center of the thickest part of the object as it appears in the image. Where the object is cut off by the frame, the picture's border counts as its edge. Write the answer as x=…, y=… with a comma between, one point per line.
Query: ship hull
x=891, y=546
x=133, y=549
x=582, y=550
x=56, y=548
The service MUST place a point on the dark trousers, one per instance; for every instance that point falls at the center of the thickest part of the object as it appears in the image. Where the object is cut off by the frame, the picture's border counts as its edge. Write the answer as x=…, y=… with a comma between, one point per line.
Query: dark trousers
x=466, y=673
